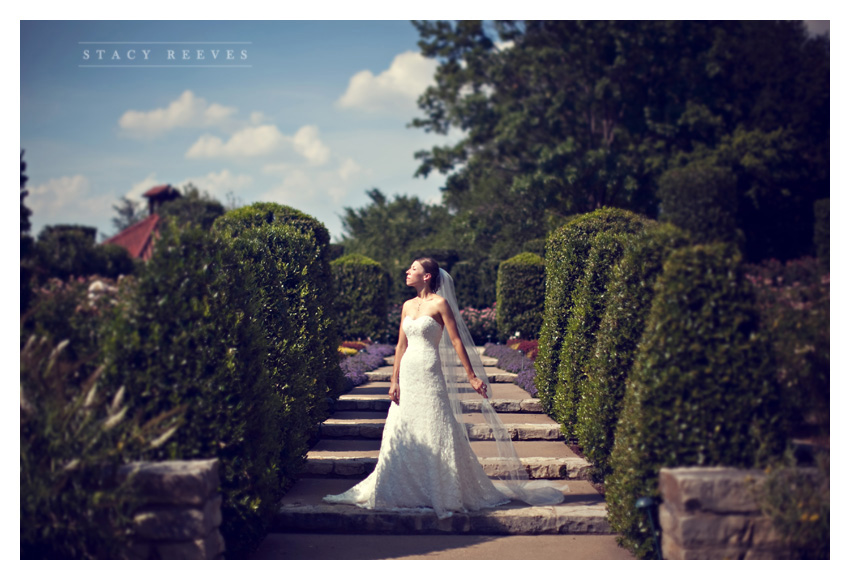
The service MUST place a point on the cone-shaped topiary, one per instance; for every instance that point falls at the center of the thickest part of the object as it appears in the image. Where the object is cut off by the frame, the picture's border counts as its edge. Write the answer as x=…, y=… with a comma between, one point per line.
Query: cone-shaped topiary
x=702, y=389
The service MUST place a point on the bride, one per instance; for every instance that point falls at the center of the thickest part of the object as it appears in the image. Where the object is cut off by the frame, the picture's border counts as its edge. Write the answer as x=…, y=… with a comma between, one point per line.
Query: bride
x=426, y=461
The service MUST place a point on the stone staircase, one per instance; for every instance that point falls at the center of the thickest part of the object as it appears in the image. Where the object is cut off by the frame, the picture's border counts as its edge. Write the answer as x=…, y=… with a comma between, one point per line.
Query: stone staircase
x=348, y=450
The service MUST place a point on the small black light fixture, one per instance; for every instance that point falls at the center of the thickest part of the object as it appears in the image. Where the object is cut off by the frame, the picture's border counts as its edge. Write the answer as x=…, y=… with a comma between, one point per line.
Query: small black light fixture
x=648, y=503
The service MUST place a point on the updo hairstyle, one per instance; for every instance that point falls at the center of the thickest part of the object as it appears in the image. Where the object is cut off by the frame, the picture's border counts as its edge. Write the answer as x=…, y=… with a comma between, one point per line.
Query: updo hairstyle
x=431, y=266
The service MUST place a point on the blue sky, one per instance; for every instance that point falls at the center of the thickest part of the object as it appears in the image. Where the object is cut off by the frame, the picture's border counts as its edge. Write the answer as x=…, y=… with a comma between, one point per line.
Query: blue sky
x=311, y=116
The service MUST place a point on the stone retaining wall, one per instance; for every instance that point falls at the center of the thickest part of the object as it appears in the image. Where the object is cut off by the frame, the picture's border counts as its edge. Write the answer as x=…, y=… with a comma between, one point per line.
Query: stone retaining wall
x=180, y=515
x=711, y=513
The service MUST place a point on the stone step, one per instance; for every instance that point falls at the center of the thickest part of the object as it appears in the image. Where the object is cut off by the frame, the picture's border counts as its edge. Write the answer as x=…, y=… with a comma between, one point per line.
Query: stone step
x=494, y=375
x=487, y=361
x=572, y=468
x=496, y=391
x=583, y=512
x=373, y=429
x=352, y=402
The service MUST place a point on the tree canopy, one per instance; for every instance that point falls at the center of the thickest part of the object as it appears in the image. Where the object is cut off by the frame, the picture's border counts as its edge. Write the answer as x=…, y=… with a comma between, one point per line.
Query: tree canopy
x=565, y=117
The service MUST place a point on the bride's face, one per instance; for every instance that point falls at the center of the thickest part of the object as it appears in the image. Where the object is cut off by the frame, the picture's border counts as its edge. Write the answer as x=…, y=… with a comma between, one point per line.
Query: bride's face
x=415, y=275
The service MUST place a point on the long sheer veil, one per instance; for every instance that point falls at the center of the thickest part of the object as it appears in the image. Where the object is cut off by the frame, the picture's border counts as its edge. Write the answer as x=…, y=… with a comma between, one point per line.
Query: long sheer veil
x=510, y=472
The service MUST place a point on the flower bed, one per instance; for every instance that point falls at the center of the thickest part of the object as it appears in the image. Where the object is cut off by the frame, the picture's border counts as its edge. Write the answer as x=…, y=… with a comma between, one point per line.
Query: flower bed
x=514, y=361
x=355, y=367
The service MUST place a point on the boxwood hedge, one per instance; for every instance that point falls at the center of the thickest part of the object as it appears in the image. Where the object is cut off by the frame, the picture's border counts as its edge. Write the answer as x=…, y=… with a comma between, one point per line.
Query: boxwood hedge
x=701, y=390
x=566, y=252
x=234, y=223
x=629, y=295
x=520, y=292
x=362, y=286
x=189, y=337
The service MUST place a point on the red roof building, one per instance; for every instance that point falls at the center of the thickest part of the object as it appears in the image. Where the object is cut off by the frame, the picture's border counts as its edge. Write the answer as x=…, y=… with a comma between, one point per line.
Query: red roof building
x=138, y=239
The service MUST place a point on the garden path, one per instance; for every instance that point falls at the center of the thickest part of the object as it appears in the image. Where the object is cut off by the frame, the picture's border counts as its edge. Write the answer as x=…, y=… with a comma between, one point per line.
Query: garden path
x=306, y=528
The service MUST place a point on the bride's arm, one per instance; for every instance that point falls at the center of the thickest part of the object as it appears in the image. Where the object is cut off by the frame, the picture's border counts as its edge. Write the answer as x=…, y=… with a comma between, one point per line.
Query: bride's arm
x=400, y=348
x=457, y=343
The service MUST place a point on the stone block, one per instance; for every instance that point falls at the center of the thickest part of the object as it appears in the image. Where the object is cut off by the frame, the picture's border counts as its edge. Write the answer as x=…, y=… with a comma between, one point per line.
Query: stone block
x=174, y=523
x=716, y=489
x=173, y=482
x=348, y=467
x=207, y=548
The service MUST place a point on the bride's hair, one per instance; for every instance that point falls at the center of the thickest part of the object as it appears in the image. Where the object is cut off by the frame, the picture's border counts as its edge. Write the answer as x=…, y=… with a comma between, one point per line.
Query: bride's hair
x=431, y=266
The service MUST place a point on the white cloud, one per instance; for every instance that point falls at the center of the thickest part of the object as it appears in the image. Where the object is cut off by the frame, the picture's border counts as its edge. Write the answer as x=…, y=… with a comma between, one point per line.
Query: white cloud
x=249, y=142
x=188, y=111
x=219, y=184
x=348, y=169
x=56, y=194
x=307, y=143
x=395, y=89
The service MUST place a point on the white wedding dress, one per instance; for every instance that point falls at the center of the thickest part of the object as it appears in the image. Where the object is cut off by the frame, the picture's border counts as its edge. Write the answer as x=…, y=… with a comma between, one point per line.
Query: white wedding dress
x=425, y=461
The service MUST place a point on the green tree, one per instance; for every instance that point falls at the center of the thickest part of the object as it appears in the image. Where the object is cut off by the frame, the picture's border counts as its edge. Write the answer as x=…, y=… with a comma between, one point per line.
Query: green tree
x=194, y=208
x=389, y=230
x=565, y=117
x=128, y=212
x=26, y=243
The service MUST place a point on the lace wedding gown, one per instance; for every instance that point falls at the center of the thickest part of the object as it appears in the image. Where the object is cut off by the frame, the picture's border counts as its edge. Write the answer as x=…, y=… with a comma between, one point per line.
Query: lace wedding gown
x=425, y=459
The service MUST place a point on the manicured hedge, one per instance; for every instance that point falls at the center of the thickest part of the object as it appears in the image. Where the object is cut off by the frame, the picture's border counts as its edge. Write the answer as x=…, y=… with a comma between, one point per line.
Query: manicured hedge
x=629, y=296
x=488, y=275
x=701, y=199
x=588, y=304
x=702, y=389
x=189, y=337
x=822, y=231
x=234, y=223
x=65, y=251
x=566, y=252
x=280, y=258
x=520, y=291
x=537, y=246
x=362, y=286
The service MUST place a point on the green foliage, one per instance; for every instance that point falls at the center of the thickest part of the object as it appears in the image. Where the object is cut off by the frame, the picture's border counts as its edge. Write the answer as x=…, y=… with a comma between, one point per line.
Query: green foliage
x=394, y=232
x=26, y=244
x=797, y=502
x=128, y=213
x=702, y=389
x=237, y=222
x=567, y=250
x=488, y=276
x=465, y=275
x=192, y=211
x=822, y=232
x=520, y=291
x=700, y=199
x=65, y=251
x=189, y=337
x=629, y=296
x=556, y=119
x=361, y=301
x=588, y=304
x=72, y=440
x=793, y=300
x=537, y=246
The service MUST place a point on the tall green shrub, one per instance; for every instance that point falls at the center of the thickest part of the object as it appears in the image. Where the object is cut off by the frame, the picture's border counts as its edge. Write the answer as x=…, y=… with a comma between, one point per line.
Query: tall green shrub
x=566, y=253
x=588, y=304
x=361, y=302
x=520, y=292
x=629, y=296
x=822, y=231
x=701, y=199
x=236, y=222
x=702, y=389
x=189, y=336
